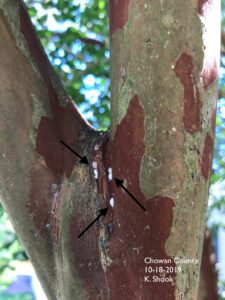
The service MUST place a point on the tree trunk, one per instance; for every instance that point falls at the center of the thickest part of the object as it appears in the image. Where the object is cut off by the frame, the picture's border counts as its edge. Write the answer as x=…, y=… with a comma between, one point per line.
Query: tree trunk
x=208, y=275
x=164, y=66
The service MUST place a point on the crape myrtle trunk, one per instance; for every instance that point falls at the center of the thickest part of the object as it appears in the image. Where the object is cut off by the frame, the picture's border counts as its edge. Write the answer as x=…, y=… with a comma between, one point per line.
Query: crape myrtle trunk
x=164, y=67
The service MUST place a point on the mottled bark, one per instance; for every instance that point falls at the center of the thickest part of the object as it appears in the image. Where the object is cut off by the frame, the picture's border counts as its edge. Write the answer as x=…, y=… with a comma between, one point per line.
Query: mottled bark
x=38, y=179
x=164, y=65
x=208, y=274
x=169, y=58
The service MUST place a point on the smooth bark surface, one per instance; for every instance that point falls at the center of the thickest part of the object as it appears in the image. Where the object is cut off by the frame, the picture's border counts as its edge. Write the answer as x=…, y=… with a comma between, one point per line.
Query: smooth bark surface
x=164, y=66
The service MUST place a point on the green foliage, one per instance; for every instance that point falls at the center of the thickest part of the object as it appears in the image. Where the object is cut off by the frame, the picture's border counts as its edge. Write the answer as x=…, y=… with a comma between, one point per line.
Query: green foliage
x=75, y=36
x=10, y=248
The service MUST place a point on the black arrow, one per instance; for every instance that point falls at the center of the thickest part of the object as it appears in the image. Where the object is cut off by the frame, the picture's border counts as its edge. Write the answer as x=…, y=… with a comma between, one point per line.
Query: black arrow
x=119, y=182
x=83, y=159
x=102, y=212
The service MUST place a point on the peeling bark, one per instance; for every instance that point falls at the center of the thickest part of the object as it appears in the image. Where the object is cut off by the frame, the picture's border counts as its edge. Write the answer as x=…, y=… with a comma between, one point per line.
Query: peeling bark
x=163, y=82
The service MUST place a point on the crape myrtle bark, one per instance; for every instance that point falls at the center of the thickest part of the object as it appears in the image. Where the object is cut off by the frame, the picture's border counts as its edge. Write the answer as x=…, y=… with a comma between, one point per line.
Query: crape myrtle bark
x=164, y=67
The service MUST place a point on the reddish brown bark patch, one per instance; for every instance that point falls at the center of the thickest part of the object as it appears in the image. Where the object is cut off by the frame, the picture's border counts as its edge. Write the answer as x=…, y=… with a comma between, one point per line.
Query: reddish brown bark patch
x=119, y=13
x=202, y=5
x=33, y=43
x=210, y=73
x=44, y=192
x=214, y=112
x=136, y=234
x=57, y=157
x=192, y=105
x=213, y=119
x=86, y=256
x=211, y=64
x=207, y=156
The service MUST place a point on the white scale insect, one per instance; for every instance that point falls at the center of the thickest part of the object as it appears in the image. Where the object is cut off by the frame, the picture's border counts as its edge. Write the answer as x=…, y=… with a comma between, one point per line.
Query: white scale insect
x=110, y=173
x=112, y=202
x=94, y=165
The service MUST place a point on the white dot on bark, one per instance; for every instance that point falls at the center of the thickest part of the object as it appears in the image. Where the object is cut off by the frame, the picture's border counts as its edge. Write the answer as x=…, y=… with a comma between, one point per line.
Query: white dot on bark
x=182, y=295
x=112, y=202
x=94, y=164
x=96, y=173
x=54, y=187
x=110, y=173
x=122, y=72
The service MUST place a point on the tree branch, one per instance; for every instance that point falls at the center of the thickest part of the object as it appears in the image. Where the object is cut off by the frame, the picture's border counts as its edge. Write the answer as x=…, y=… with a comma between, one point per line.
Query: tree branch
x=36, y=113
x=92, y=42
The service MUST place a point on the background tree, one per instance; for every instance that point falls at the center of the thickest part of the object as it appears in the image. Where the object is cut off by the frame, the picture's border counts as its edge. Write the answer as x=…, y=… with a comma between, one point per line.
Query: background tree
x=122, y=70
